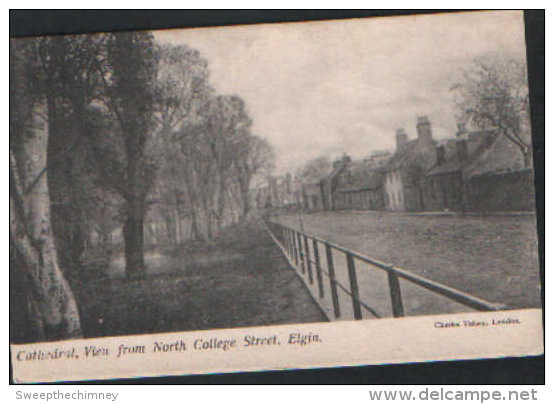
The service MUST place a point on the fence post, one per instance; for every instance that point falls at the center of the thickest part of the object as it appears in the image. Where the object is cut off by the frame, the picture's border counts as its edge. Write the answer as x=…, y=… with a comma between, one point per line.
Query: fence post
x=300, y=252
x=294, y=247
x=289, y=250
x=395, y=295
x=331, y=269
x=318, y=268
x=308, y=261
x=354, y=287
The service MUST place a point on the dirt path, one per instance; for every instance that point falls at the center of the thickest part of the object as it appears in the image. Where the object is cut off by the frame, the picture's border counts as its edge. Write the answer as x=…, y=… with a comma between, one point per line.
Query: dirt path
x=240, y=280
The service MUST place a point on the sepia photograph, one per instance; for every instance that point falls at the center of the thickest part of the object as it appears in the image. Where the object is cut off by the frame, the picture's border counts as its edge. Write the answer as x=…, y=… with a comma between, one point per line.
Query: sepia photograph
x=216, y=179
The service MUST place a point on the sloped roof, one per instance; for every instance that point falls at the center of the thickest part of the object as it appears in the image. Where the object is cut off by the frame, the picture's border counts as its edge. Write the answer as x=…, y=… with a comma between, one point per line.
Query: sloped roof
x=331, y=178
x=409, y=153
x=400, y=157
x=478, y=142
x=501, y=156
x=362, y=177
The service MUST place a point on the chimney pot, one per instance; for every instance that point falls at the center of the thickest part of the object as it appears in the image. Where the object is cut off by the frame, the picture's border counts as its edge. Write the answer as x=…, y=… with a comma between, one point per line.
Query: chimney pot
x=423, y=126
x=423, y=119
x=401, y=138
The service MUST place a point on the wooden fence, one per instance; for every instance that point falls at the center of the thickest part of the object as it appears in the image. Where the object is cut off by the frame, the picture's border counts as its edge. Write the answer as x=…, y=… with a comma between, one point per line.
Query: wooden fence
x=313, y=268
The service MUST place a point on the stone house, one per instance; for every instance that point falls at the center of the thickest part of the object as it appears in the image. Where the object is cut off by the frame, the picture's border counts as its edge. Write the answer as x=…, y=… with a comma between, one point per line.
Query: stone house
x=498, y=179
x=359, y=186
x=479, y=171
x=405, y=170
x=444, y=182
x=329, y=183
x=312, y=198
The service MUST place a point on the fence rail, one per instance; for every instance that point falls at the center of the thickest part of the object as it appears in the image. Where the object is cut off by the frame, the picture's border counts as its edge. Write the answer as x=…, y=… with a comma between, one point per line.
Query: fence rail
x=295, y=245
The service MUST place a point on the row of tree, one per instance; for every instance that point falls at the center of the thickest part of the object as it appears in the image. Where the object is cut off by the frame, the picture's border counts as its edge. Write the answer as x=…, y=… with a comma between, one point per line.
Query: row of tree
x=103, y=129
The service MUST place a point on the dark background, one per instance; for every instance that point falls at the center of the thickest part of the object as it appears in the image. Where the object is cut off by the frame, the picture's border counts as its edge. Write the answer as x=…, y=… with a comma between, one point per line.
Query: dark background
x=528, y=370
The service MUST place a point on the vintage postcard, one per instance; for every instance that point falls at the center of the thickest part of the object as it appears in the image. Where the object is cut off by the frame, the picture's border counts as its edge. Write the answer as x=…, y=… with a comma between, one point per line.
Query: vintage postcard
x=272, y=196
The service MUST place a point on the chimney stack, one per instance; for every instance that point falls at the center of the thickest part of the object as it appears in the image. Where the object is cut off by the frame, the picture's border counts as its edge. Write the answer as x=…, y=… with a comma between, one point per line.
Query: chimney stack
x=441, y=155
x=461, y=142
x=424, y=133
x=401, y=139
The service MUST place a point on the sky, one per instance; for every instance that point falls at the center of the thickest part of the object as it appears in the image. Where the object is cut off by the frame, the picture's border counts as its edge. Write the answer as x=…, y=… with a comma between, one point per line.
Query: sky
x=345, y=86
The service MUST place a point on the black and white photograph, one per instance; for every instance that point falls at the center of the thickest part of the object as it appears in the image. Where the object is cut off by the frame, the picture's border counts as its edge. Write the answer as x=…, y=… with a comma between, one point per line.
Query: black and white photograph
x=261, y=175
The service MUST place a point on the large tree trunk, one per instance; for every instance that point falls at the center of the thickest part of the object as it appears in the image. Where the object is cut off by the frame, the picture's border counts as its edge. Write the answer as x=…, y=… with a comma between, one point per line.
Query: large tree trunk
x=51, y=301
x=133, y=234
x=133, y=227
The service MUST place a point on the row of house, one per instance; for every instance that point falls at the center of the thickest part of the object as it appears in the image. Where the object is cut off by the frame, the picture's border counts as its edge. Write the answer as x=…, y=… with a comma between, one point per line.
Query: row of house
x=472, y=171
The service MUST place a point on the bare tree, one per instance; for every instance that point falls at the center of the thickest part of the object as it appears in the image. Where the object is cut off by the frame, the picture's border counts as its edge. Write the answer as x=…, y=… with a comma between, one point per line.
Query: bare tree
x=181, y=88
x=198, y=173
x=227, y=124
x=216, y=147
x=257, y=157
x=494, y=94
